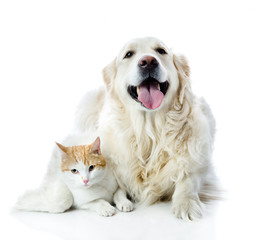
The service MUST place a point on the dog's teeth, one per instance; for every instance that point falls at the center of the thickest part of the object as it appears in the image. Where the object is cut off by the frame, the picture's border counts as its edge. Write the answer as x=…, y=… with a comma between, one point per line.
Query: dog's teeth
x=158, y=86
x=138, y=90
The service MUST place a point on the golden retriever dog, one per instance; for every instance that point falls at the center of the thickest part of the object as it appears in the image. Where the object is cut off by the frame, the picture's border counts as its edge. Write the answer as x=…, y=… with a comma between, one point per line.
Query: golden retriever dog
x=157, y=136
x=156, y=133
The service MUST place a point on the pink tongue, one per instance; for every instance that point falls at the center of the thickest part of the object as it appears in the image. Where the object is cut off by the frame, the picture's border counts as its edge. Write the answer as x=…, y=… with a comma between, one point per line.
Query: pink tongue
x=150, y=96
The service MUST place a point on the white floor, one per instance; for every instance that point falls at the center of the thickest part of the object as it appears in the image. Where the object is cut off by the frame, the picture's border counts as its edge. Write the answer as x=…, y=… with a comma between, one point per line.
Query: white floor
x=223, y=221
x=155, y=222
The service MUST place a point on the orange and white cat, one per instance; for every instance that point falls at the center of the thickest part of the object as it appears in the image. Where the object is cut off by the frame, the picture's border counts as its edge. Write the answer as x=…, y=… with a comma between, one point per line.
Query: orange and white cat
x=81, y=179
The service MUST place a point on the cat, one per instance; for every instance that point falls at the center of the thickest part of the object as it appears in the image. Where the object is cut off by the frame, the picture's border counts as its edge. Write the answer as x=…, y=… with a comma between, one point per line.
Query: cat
x=83, y=180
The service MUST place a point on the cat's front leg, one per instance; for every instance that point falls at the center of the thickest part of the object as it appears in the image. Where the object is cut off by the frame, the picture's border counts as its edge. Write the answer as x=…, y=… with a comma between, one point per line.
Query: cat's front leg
x=100, y=206
x=121, y=201
x=185, y=201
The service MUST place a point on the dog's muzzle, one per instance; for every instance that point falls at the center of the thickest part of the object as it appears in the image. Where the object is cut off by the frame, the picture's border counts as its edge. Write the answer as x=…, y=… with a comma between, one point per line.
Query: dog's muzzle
x=150, y=92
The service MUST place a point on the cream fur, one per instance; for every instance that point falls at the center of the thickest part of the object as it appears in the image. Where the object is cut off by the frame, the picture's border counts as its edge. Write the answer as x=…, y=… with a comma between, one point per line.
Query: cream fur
x=160, y=154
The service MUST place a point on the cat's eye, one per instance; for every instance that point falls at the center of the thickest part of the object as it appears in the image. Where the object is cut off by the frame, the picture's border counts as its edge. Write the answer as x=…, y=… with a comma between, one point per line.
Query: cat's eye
x=161, y=51
x=129, y=54
x=91, y=168
x=75, y=171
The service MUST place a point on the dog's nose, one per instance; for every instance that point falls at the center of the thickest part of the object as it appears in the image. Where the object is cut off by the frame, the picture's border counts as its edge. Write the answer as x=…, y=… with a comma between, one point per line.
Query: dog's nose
x=148, y=62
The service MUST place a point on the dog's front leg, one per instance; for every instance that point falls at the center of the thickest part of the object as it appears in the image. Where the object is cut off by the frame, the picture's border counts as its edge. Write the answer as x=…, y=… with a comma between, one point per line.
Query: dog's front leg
x=185, y=200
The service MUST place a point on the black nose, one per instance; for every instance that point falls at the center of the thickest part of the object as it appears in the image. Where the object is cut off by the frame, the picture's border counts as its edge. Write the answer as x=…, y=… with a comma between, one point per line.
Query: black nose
x=148, y=62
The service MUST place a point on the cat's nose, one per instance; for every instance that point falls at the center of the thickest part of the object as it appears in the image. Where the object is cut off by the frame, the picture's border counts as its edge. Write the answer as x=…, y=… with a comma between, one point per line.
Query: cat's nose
x=85, y=181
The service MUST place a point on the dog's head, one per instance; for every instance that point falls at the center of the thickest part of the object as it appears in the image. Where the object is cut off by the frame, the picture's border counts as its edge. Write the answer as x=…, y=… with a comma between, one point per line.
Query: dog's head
x=147, y=75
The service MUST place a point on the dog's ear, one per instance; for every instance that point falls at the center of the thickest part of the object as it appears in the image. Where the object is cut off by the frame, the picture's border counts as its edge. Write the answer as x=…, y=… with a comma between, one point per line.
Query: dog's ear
x=109, y=73
x=181, y=64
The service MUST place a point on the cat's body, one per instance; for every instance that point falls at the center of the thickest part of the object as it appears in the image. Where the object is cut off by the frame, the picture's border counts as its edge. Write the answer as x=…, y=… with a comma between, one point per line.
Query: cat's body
x=77, y=176
x=81, y=196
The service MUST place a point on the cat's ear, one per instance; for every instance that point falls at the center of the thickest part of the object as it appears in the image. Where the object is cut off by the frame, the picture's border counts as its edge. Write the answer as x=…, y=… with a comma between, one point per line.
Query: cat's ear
x=95, y=147
x=63, y=148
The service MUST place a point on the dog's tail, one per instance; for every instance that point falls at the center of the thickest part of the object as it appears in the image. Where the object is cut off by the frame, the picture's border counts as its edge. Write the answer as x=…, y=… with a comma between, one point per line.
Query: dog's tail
x=55, y=198
x=211, y=191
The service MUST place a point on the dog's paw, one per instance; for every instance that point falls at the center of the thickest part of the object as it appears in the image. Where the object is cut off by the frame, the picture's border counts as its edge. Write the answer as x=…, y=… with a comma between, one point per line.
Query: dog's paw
x=106, y=210
x=188, y=209
x=125, y=205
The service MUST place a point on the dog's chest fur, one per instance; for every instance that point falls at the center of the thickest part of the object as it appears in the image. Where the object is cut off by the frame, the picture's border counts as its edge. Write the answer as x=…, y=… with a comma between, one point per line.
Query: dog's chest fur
x=144, y=155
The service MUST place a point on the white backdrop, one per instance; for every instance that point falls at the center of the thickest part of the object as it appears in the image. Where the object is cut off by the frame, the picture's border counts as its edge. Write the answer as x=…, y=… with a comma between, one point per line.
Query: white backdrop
x=52, y=52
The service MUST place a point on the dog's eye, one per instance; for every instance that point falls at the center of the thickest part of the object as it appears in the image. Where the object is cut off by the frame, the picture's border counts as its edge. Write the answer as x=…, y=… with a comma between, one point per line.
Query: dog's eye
x=128, y=54
x=161, y=51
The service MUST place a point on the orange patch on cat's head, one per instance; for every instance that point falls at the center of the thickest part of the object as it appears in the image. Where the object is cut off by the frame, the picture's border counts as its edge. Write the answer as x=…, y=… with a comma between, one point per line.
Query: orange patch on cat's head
x=88, y=154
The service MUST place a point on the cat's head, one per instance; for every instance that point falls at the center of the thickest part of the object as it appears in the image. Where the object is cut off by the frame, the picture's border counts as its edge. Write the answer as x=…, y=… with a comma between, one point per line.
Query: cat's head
x=82, y=165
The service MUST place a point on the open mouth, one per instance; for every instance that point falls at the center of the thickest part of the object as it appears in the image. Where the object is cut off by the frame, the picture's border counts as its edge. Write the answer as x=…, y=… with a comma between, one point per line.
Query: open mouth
x=150, y=93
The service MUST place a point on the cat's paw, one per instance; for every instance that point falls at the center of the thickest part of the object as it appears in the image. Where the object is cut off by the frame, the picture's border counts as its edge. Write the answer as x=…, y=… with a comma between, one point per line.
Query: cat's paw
x=106, y=210
x=187, y=209
x=125, y=205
